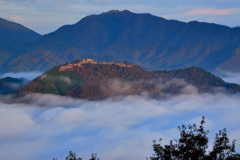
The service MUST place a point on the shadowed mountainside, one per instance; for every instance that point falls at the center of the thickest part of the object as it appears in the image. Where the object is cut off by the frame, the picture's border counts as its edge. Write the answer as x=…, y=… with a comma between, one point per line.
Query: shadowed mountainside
x=14, y=40
x=150, y=41
x=97, y=81
x=10, y=85
x=10, y=31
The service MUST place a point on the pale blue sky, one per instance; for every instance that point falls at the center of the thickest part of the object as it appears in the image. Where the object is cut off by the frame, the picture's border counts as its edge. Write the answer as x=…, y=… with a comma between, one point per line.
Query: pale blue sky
x=44, y=16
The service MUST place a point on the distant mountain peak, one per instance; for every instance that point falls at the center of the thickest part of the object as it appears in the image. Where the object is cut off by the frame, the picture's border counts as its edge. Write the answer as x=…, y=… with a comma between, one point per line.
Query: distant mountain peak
x=150, y=41
x=113, y=11
x=109, y=12
x=12, y=31
x=116, y=11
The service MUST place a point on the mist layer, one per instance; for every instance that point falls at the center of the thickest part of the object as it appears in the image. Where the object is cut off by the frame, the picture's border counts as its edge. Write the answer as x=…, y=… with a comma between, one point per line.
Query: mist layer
x=47, y=126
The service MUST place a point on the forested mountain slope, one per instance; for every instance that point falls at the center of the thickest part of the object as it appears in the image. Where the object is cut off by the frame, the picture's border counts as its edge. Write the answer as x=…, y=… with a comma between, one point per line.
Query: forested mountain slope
x=97, y=81
x=144, y=39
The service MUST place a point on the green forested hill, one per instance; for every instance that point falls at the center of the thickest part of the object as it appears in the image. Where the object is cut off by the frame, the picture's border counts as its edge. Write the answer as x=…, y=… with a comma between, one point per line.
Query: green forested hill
x=97, y=81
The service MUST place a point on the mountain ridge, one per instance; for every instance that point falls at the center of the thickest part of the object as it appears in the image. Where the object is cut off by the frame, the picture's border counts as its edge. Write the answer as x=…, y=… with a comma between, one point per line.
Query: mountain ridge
x=144, y=39
x=9, y=85
x=11, y=31
x=100, y=80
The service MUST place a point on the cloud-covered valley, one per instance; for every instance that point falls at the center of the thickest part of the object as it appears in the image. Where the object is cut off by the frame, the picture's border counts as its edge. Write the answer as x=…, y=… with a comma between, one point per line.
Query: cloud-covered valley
x=49, y=126
x=45, y=126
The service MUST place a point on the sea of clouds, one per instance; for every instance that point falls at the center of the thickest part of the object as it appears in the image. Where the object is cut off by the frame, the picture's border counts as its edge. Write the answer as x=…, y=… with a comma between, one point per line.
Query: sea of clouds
x=40, y=126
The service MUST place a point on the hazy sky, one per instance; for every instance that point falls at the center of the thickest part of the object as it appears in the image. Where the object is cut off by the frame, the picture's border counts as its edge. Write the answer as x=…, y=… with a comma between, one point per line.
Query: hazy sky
x=44, y=16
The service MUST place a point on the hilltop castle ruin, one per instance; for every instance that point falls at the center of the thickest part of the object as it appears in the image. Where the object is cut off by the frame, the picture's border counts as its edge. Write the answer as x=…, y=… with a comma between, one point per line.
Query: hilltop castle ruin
x=69, y=66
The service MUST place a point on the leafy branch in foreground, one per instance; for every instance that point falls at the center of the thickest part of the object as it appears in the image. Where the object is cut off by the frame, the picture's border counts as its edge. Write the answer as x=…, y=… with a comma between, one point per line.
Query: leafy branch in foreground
x=193, y=143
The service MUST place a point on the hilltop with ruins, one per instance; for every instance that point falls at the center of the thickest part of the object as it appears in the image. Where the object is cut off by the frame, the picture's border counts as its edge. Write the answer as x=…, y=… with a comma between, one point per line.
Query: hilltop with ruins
x=70, y=66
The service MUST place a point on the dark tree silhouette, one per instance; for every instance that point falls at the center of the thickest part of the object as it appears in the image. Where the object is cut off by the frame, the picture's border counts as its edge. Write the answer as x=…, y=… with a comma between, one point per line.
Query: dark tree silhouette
x=193, y=143
x=221, y=147
x=72, y=156
x=94, y=157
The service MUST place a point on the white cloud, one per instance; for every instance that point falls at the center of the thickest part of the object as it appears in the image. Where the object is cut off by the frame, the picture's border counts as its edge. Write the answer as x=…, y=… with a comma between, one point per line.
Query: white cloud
x=66, y=80
x=16, y=18
x=156, y=87
x=189, y=89
x=47, y=126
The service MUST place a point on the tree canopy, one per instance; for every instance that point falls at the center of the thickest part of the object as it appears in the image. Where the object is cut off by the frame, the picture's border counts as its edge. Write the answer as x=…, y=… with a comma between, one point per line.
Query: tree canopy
x=193, y=143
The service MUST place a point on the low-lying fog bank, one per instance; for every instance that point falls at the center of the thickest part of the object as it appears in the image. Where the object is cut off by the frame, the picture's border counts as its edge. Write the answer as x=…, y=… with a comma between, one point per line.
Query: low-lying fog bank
x=228, y=76
x=49, y=126
x=46, y=126
x=25, y=75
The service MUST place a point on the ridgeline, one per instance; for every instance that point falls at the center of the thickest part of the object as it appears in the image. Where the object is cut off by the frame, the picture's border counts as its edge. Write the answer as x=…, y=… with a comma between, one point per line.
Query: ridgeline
x=144, y=39
x=98, y=80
